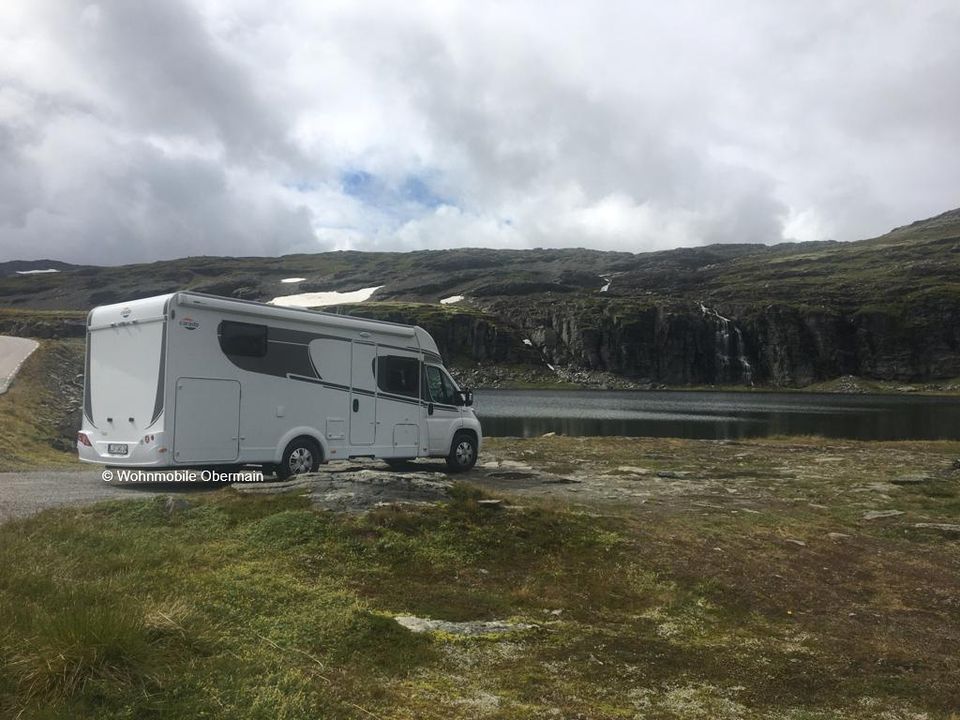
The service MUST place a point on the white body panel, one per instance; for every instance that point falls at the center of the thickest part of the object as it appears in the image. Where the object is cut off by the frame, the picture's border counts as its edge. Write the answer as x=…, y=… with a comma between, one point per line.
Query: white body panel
x=188, y=379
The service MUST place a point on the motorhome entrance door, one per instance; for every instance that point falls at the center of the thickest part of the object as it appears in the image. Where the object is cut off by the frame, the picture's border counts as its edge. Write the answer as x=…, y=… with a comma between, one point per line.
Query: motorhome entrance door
x=363, y=394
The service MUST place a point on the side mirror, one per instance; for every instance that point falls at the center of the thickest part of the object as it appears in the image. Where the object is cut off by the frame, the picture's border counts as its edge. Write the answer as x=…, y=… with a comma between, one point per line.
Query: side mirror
x=466, y=397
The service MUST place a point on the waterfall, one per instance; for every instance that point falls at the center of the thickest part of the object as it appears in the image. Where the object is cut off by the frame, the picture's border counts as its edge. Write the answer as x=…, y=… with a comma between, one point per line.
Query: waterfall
x=746, y=368
x=729, y=348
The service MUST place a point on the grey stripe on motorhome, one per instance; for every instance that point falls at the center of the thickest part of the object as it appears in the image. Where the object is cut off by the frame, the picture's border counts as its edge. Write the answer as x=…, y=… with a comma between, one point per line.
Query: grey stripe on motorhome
x=158, y=404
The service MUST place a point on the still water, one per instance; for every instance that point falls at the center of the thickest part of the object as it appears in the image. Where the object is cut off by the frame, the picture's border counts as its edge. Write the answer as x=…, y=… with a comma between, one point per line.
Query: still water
x=717, y=415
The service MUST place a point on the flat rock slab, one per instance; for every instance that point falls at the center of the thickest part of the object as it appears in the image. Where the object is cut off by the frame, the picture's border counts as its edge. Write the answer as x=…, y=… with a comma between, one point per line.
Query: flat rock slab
x=366, y=489
x=631, y=470
x=915, y=479
x=355, y=489
x=880, y=514
x=945, y=528
x=13, y=351
x=476, y=628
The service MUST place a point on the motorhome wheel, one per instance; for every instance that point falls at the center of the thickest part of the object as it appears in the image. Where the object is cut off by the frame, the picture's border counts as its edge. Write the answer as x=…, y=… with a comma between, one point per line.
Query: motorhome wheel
x=301, y=456
x=463, y=453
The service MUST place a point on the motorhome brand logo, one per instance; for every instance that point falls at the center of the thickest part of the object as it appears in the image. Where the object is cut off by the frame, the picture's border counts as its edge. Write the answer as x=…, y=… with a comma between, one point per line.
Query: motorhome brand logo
x=189, y=323
x=125, y=313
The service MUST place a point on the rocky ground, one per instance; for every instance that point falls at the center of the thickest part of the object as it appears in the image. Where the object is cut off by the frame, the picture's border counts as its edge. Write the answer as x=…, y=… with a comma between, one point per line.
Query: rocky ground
x=913, y=486
x=775, y=579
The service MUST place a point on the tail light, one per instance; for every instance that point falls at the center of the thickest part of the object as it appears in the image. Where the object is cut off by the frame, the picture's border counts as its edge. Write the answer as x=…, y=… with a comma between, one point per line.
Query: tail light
x=82, y=439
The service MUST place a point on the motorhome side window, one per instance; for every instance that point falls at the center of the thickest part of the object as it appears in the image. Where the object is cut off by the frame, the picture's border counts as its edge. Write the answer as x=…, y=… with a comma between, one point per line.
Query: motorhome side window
x=440, y=387
x=398, y=375
x=243, y=339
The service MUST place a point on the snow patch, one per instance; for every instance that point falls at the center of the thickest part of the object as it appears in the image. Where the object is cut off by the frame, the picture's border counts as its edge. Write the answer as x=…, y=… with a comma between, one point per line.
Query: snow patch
x=527, y=342
x=607, y=286
x=292, y=280
x=322, y=299
x=36, y=272
x=451, y=300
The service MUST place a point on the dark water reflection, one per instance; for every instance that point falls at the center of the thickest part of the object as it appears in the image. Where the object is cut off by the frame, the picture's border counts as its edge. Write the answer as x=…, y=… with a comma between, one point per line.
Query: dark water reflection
x=717, y=415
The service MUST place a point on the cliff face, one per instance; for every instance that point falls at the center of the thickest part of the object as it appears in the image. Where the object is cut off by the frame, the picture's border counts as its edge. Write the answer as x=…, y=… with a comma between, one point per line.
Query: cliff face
x=681, y=344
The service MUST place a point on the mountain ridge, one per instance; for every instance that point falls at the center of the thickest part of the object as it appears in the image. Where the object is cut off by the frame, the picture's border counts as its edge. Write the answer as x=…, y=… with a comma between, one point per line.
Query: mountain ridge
x=785, y=315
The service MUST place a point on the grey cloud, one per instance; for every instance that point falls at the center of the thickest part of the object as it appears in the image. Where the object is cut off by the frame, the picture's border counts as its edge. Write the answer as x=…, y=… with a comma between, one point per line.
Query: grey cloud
x=181, y=130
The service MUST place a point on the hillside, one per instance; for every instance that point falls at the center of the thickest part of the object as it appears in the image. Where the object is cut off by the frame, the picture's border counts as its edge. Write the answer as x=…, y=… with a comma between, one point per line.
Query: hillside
x=786, y=315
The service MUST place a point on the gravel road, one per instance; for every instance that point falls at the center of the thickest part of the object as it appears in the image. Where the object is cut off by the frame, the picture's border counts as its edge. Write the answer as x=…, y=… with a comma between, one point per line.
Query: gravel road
x=25, y=493
x=13, y=351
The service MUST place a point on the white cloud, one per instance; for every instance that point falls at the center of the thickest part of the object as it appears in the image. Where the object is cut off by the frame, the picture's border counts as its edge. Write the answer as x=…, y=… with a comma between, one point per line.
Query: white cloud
x=133, y=131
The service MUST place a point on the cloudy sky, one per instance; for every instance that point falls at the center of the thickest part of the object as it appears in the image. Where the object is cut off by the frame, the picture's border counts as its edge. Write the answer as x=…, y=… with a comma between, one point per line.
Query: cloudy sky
x=144, y=130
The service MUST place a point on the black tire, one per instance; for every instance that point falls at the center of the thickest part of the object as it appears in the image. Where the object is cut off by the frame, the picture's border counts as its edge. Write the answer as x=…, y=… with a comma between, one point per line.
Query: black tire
x=301, y=456
x=463, y=452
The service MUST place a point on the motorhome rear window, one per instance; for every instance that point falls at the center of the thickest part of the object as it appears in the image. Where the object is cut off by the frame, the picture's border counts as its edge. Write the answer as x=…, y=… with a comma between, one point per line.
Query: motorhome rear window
x=243, y=339
x=398, y=375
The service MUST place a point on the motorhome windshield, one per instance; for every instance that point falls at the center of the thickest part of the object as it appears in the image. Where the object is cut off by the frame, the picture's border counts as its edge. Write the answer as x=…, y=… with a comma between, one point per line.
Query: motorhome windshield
x=125, y=382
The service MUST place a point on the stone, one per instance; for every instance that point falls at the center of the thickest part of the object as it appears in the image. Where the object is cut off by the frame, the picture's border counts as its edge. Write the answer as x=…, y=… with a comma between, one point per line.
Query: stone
x=945, y=528
x=549, y=434
x=490, y=504
x=632, y=470
x=673, y=474
x=794, y=541
x=879, y=514
x=838, y=535
x=465, y=629
x=912, y=479
x=175, y=504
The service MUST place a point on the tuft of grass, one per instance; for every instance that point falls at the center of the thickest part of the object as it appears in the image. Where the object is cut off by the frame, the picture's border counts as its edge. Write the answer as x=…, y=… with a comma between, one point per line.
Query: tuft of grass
x=287, y=529
x=82, y=649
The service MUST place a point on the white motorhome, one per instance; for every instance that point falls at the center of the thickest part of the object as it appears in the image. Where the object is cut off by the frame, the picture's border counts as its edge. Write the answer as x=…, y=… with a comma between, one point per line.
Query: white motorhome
x=187, y=380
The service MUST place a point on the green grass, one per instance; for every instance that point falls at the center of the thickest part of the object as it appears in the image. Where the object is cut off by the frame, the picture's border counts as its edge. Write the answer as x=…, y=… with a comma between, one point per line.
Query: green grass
x=31, y=412
x=260, y=607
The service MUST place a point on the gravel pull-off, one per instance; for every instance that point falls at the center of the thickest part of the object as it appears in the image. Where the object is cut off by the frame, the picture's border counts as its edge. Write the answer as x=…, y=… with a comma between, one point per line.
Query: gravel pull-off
x=467, y=629
x=25, y=493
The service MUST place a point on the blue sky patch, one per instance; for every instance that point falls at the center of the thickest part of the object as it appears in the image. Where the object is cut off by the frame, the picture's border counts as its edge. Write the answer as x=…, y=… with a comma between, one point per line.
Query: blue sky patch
x=370, y=189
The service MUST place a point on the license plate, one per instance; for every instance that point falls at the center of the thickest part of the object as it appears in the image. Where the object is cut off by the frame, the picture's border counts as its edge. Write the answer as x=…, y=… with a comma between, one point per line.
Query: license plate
x=117, y=448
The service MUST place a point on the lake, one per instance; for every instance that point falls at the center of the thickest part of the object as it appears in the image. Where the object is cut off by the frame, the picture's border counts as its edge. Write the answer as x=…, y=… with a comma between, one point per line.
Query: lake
x=716, y=415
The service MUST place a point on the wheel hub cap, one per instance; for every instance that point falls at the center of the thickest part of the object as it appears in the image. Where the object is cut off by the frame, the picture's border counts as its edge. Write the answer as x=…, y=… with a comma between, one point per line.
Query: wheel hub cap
x=464, y=453
x=301, y=461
